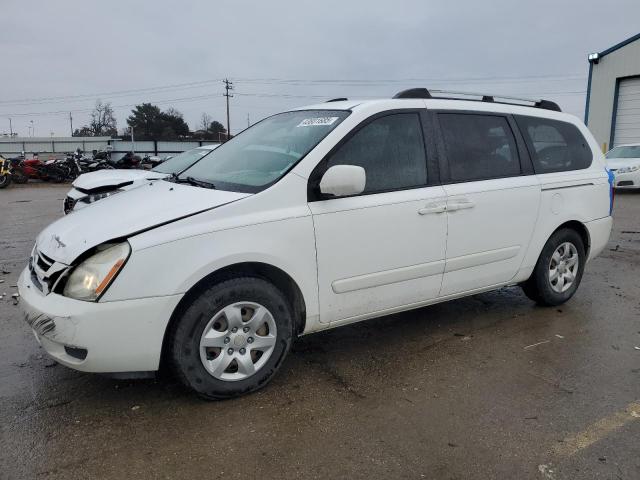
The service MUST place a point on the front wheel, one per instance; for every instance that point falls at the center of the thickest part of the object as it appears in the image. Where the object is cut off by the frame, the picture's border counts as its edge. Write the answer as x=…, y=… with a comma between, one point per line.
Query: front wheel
x=5, y=180
x=559, y=269
x=233, y=338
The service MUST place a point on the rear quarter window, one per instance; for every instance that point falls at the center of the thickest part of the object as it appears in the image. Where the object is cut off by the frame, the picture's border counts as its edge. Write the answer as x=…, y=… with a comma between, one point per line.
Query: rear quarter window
x=554, y=146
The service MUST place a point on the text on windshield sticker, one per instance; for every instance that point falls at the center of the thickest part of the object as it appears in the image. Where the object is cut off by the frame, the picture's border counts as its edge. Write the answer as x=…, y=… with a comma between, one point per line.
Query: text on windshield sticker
x=317, y=121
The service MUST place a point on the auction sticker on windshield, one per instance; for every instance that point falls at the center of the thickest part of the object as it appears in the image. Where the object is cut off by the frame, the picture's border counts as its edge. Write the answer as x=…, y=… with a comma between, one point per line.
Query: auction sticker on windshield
x=317, y=121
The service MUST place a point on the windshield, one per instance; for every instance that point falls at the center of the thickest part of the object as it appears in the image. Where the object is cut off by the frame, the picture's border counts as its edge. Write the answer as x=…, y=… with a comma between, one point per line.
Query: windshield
x=632, y=151
x=182, y=161
x=262, y=154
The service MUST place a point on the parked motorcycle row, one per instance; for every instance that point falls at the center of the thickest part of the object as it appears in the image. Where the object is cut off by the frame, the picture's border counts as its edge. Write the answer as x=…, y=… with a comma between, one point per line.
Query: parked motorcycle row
x=20, y=169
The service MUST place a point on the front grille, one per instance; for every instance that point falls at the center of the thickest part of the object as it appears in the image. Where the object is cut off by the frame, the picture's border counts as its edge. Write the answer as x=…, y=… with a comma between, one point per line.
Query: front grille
x=625, y=183
x=45, y=272
x=68, y=204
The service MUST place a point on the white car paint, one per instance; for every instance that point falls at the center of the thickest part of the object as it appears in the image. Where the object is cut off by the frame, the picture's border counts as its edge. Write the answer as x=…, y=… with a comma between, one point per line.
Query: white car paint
x=626, y=170
x=111, y=181
x=352, y=258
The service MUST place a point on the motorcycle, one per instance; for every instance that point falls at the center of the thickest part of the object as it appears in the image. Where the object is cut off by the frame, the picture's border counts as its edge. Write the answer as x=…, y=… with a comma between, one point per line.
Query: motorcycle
x=16, y=165
x=54, y=170
x=5, y=172
x=150, y=161
x=32, y=168
x=129, y=161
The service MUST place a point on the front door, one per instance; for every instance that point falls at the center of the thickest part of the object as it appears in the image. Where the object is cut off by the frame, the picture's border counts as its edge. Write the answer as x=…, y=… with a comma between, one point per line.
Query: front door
x=383, y=249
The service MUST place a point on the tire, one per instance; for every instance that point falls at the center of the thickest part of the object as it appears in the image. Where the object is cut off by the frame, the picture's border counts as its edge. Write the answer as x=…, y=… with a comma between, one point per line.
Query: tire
x=541, y=287
x=238, y=302
x=5, y=180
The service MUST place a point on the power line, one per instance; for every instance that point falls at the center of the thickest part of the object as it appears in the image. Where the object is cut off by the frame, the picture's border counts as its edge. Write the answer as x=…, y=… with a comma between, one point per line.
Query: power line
x=177, y=86
x=245, y=94
x=290, y=82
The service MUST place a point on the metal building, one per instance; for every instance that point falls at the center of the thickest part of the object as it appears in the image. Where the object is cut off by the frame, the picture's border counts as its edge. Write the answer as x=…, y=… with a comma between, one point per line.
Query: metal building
x=612, y=111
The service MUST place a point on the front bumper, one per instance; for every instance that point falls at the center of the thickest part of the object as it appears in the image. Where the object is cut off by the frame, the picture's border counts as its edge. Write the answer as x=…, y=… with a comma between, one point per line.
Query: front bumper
x=120, y=336
x=630, y=180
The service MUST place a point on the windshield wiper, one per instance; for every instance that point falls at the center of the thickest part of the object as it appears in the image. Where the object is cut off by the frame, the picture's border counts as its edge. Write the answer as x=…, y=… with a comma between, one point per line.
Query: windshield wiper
x=194, y=181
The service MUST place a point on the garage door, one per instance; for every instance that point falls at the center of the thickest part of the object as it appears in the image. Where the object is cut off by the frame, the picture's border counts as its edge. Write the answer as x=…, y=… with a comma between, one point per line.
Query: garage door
x=628, y=113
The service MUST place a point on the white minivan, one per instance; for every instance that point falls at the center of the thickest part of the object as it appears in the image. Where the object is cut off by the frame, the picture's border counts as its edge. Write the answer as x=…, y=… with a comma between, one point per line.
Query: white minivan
x=316, y=218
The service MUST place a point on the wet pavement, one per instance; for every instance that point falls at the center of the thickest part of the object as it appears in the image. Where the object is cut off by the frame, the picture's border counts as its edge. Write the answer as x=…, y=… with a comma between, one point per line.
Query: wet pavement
x=486, y=387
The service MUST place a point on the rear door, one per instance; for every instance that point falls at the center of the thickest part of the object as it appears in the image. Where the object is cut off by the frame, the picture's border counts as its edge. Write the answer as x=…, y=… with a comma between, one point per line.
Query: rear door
x=492, y=199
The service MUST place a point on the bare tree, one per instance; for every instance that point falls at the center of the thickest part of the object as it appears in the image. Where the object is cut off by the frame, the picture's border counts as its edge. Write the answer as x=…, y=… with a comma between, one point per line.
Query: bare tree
x=103, y=120
x=205, y=121
x=173, y=112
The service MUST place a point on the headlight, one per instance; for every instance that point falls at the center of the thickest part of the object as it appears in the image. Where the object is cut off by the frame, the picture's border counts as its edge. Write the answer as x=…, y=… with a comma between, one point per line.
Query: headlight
x=629, y=169
x=92, y=277
x=94, y=197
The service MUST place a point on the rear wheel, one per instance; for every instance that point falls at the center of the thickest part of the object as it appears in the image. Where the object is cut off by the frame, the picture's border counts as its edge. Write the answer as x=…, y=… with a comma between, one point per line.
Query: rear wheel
x=559, y=269
x=233, y=338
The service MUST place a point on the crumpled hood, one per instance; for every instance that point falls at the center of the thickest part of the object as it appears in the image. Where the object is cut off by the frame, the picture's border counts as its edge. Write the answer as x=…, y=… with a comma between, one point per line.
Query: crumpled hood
x=114, y=178
x=122, y=215
x=617, y=163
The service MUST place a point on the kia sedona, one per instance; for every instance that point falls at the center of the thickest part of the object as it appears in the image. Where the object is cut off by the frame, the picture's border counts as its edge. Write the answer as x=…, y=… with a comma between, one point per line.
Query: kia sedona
x=316, y=218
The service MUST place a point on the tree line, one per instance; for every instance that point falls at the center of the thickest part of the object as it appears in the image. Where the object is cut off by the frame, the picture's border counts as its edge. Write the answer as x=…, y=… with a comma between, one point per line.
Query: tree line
x=149, y=122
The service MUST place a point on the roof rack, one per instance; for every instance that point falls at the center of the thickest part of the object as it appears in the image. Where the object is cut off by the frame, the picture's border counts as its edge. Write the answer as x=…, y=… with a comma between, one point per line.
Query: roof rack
x=454, y=95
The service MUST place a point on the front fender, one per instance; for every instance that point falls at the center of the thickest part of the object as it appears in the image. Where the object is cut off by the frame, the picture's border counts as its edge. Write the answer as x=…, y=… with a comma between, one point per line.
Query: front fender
x=174, y=267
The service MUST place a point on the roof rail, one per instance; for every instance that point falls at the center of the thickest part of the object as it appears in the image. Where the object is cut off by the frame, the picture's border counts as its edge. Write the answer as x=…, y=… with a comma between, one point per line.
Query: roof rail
x=455, y=95
x=340, y=99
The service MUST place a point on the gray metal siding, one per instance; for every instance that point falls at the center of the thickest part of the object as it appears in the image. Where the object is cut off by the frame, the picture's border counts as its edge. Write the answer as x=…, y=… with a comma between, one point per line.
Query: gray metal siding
x=621, y=63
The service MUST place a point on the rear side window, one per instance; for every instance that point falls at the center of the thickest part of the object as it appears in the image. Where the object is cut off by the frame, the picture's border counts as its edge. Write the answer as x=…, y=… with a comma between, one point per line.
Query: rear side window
x=479, y=147
x=391, y=151
x=554, y=146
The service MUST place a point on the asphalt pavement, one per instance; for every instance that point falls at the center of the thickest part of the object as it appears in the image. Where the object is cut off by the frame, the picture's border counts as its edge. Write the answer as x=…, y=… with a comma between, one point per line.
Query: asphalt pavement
x=487, y=387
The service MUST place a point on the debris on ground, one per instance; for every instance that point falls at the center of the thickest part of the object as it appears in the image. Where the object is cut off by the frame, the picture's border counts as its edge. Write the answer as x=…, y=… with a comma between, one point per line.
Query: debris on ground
x=536, y=344
x=559, y=336
x=135, y=407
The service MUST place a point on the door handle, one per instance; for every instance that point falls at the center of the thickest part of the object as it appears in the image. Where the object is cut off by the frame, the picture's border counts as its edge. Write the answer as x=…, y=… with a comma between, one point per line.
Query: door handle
x=433, y=208
x=460, y=204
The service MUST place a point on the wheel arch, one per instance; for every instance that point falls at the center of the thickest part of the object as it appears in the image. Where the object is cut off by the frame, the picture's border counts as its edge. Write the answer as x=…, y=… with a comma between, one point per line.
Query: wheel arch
x=273, y=274
x=581, y=229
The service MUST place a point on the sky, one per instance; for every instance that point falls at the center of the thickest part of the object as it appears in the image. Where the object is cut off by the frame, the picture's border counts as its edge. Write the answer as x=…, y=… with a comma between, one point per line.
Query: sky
x=60, y=57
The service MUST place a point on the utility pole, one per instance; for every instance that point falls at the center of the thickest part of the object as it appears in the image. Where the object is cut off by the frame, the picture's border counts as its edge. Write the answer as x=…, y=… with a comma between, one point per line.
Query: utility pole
x=10, y=128
x=228, y=86
x=248, y=122
x=71, y=123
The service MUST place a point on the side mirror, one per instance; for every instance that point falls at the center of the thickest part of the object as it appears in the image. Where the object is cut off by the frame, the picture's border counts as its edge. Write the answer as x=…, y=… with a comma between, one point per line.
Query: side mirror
x=343, y=180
